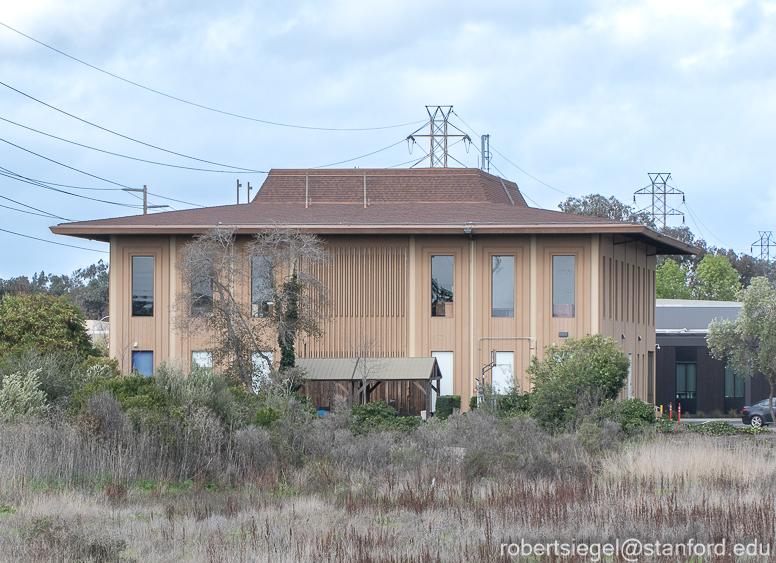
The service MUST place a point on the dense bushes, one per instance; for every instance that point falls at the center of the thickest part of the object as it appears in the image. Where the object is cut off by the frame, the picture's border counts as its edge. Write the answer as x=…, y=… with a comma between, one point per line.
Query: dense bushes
x=446, y=405
x=574, y=379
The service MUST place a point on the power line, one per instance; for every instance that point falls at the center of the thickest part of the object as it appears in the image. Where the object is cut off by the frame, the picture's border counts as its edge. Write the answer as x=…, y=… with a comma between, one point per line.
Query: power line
x=121, y=155
x=246, y=170
x=362, y=156
x=47, y=214
x=52, y=242
x=200, y=105
x=513, y=164
x=18, y=178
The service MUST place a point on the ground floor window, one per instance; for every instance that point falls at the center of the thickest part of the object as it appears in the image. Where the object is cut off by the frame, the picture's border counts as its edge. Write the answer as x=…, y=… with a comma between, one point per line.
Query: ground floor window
x=685, y=380
x=262, y=366
x=202, y=359
x=734, y=384
x=143, y=362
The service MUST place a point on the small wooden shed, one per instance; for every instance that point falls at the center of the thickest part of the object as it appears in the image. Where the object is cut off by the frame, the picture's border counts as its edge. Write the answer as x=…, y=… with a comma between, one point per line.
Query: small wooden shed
x=407, y=384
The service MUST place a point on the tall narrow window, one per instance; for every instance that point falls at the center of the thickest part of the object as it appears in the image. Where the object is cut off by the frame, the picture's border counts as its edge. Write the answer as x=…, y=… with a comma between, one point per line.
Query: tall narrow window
x=261, y=285
x=442, y=274
x=734, y=384
x=503, y=286
x=202, y=298
x=563, y=286
x=142, y=286
x=685, y=381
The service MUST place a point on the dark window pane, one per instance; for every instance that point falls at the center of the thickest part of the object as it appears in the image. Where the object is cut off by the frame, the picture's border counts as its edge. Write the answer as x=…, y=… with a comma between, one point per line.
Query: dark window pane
x=201, y=298
x=142, y=286
x=734, y=384
x=563, y=286
x=143, y=362
x=442, y=273
x=261, y=285
x=503, y=286
x=685, y=381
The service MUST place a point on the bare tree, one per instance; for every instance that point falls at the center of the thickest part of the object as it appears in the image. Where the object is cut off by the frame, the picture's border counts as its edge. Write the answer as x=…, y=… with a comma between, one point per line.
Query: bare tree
x=287, y=297
x=299, y=299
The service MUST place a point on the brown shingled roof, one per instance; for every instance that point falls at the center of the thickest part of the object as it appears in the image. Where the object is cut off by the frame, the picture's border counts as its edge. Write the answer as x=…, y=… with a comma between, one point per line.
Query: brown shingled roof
x=388, y=186
x=400, y=201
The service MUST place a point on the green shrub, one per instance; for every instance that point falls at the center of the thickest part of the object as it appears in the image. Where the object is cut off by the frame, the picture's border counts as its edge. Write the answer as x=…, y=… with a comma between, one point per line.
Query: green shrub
x=473, y=402
x=47, y=322
x=630, y=414
x=266, y=416
x=132, y=391
x=377, y=417
x=583, y=372
x=446, y=404
x=21, y=396
x=716, y=413
x=714, y=428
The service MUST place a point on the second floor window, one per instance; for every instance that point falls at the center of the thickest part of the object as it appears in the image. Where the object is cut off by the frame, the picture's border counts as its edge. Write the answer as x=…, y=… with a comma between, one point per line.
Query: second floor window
x=563, y=286
x=142, y=286
x=261, y=285
x=503, y=286
x=202, y=298
x=442, y=274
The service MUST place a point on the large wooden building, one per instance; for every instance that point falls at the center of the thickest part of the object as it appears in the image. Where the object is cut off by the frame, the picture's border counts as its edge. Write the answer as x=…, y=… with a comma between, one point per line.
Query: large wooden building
x=440, y=262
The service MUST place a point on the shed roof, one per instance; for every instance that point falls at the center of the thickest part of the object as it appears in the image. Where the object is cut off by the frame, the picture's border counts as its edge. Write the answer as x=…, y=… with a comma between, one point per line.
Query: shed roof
x=385, y=369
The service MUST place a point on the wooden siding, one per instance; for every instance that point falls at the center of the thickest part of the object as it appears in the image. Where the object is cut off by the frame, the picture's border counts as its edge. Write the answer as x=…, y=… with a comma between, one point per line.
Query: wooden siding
x=380, y=290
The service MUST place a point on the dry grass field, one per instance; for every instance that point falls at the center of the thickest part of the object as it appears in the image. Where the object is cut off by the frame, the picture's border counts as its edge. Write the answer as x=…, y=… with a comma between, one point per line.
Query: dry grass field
x=450, y=492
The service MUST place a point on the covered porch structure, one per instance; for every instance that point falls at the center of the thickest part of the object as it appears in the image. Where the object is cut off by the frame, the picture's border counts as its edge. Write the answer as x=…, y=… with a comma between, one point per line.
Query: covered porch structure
x=410, y=385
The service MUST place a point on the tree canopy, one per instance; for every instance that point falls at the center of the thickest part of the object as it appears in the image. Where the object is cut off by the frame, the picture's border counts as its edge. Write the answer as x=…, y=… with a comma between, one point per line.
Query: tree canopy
x=671, y=281
x=748, y=344
x=46, y=322
x=596, y=205
x=715, y=279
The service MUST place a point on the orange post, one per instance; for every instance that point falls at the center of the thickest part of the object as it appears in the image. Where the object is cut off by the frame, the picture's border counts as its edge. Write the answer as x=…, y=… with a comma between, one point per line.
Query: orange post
x=679, y=410
x=670, y=411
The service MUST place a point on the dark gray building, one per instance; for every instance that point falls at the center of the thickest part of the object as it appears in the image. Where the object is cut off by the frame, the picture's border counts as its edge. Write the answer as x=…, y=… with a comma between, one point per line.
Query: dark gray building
x=685, y=372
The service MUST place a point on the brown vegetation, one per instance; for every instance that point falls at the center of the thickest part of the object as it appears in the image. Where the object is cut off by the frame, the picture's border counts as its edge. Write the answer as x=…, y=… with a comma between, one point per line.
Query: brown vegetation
x=451, y=491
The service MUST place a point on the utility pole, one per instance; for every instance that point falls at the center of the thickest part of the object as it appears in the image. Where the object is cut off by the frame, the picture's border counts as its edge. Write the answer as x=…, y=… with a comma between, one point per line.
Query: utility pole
x=485, y=139
x=765, y=243
x=146, y=207
x=438, y=135
x=239, y=185
x=249, y=193
x=659, y=191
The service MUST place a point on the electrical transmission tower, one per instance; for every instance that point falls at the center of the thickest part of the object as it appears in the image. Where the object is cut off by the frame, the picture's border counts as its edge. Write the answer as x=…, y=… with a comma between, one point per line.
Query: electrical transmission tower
x=438, y=135
x=765, y=243
x=659, y=191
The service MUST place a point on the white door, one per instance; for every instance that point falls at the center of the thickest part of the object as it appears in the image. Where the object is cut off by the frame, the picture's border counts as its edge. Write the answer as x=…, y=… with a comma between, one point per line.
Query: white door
x=445, y=362
x=503, y=373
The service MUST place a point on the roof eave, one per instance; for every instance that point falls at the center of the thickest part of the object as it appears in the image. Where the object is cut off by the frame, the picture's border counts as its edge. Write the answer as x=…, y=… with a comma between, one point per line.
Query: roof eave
x=626, y=232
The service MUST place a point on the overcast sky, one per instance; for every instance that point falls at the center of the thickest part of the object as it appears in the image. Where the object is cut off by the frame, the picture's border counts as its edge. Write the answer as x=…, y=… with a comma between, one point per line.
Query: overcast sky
x=585, y=96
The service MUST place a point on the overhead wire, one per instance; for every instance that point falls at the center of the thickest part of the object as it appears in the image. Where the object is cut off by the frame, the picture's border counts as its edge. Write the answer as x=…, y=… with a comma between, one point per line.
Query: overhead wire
x=40, y=211
x=19, y=178
x=360, y=157
x=122, y=155
x=200, y=105
x=244, y=170
x=53, y=242
x=512, y=163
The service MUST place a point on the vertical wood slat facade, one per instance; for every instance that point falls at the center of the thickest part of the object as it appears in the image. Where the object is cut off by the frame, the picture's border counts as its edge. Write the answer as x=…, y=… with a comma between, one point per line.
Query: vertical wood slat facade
x=378, y=284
